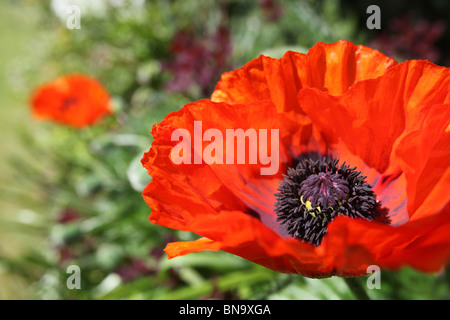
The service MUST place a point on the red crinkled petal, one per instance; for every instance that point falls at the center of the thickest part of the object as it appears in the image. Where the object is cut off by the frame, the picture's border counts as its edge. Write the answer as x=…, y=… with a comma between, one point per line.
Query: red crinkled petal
x=187, y=191
x=329, y=67
x=245, y=236
x=423, y=244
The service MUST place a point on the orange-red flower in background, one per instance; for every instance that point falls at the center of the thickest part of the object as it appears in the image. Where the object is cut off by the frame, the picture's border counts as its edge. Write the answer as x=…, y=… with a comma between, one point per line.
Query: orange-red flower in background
x=76, y=100
x=391, y=121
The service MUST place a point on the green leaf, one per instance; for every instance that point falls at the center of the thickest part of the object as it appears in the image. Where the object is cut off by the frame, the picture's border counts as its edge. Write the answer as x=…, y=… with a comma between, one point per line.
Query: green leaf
x=226, y=282
x=137, y=175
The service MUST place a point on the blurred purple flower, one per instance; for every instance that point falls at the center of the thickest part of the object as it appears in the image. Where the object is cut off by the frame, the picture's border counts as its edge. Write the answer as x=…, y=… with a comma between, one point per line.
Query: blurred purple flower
x=272, y=10
x=157, y=252
x=411, y=39
x=133, y=268
x=198, y=61
x=67, y=216
x=217, y=294
x=65, y=254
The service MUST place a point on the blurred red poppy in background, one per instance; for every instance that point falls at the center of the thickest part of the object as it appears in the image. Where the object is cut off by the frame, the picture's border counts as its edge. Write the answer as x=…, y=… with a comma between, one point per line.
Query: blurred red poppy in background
x=76, y=100
x=389, y=123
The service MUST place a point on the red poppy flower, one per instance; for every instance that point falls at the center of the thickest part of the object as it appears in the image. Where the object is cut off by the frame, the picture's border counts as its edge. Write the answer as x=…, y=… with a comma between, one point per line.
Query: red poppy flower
x=363, y=159
x=75, y=100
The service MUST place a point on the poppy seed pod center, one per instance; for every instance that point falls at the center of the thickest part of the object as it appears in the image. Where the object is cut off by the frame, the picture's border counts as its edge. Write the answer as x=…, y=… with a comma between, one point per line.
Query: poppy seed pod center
x=314, y=192
x=324, y=189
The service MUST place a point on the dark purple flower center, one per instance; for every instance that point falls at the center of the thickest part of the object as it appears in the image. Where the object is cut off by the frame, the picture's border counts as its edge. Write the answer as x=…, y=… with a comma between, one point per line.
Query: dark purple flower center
x=324, y=189
x=314, y=192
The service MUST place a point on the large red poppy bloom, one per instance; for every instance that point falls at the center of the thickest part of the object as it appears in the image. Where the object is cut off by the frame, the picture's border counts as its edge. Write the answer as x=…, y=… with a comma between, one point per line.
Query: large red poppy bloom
x=76, y=100
x=391, y=121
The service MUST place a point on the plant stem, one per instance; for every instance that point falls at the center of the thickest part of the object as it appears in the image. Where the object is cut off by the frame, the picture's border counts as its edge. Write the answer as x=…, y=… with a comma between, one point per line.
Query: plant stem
x=447, y=279
x=356, y=288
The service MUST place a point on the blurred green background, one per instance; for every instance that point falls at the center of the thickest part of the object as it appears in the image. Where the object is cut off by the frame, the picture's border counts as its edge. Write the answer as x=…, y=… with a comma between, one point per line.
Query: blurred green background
x=82, y=205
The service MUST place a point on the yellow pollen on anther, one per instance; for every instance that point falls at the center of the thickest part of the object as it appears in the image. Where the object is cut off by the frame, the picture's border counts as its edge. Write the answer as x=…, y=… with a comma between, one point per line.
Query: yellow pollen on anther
x=308, y=206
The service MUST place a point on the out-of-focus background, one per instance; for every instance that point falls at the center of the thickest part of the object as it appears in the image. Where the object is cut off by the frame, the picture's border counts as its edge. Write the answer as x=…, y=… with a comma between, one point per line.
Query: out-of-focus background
x=70, y=197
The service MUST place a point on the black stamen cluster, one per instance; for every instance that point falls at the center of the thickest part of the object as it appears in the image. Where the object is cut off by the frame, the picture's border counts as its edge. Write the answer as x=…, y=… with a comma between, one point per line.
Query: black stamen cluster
x=315, y=192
